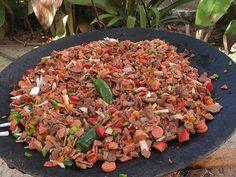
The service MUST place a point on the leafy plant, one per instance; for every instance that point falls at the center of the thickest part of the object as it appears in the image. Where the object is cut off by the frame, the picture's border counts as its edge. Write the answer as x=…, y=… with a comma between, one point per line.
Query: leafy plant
x=209, y=12
x=130, y=13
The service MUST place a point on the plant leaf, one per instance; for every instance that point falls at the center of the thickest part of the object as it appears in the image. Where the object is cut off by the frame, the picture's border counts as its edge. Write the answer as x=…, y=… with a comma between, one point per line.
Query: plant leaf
x=142, y=16
x=45, y=11
x=2, y=32
x=113, y=21
x=102, y=4
x=131, y=20
x=30, y=8
x=103, y=16
x=210, y=11
x=157, y=16
x=2, y=14
x=69, y=12
x=155, y=3
x=59, y=24
x=231, y=29
x=168, y=9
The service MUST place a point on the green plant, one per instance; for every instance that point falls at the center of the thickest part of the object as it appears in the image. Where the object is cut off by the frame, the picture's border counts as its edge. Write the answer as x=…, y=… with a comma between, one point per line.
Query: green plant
x=130, y=13
x=209, y=12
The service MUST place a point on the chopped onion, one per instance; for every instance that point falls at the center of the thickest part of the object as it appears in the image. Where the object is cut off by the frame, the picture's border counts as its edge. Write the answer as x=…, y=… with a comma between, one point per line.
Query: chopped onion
x=42, y=70
x=154, y=106
x=143, y=119
x=5, y=133
x=172, y=64
x=109, y=131
x=45, y=58
x=178, y=116
x=193, y=91
x=140, y=89
x=161, y=138
x=127, y=69
x=90, y=85
x=148, y=95
x=100, y=114
x=16, y=97
x=143, y=145
x=162, y=111
x=110, y=39
x=169, y=88
x=26, y=109
x=60, y=164
x=54, y=86
x=39, y=81
x=66, y=99
x=7, y=124
x=83, y=109
x=34, y=91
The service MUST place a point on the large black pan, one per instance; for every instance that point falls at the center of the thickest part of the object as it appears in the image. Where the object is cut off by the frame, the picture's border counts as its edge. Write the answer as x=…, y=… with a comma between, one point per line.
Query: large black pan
x=207, y=59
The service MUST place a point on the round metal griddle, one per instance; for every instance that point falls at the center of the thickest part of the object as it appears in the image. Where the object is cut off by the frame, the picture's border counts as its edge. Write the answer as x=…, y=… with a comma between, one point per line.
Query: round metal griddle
x=206, y=58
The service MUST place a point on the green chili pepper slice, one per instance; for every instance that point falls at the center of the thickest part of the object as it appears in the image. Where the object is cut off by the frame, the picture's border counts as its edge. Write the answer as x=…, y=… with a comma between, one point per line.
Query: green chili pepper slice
x=85, y=142
x=28, y=155
x=103, y=89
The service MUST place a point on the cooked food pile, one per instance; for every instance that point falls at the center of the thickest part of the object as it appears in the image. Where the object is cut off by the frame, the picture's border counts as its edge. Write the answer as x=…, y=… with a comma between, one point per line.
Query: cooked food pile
x=110, y=101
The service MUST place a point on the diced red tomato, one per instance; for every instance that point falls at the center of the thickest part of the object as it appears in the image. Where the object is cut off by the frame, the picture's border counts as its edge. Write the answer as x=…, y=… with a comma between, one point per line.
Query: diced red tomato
x=209, y=86
x=74, y=99
x=88, y=65
x=181, y=104
x=112, y=110
x=118, y=124
x=27, y=100
x=183, y=136
x=93, y=120
x=160, y=146
x=100, y=131
x=13, y=126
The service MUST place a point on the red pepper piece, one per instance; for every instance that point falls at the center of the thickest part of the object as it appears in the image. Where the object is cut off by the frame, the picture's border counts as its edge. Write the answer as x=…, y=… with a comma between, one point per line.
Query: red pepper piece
x=183, y=136
x=13, y=126
x=100, y=131
x=160, y=146
x=74, y=99
x=92, y=121
x=88, y=65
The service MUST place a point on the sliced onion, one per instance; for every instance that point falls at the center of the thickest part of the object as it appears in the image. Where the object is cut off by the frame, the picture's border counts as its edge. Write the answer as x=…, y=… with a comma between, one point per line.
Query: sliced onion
x=5, y=133
x=83, y=109
x=34, y=91
x=143, y=119
x=193, y=90
x=26, y=109
x=110, y=39
x=169, y=88
x=148, y=95
x=178, y=116
x=162, y=111
x=127, y=69
x=140, y=89
x=143, y=145
x=66, y=99
x=16, y=97
x=109, y=131
x=60, y=164
x=7, y=124
x=54, y=86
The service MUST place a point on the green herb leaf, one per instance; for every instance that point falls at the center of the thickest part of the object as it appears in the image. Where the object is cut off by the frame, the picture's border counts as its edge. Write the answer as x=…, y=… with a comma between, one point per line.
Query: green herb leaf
x=68, y=163
x=85, y=142
x=103, y=89
x=131, y=21
x=44, y=152
x=28, y=154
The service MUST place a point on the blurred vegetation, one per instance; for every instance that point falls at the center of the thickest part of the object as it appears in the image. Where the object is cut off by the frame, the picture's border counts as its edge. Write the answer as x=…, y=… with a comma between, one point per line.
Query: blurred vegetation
x=64, y=17
x=209, y=12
